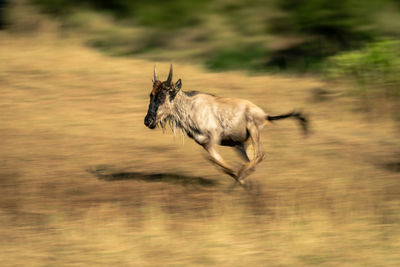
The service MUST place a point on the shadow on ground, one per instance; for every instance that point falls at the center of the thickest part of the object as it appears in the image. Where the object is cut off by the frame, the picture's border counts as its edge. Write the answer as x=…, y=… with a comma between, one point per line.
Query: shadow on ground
x=173, y=178
x=392, y=166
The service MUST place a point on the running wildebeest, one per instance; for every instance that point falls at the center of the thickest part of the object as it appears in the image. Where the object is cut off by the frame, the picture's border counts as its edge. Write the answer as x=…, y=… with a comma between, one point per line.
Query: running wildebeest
x=212, y=121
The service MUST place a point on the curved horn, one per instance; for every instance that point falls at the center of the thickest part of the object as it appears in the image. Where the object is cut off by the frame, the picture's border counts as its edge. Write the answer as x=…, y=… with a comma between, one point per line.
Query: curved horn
x=155, y=73
x=169, y=80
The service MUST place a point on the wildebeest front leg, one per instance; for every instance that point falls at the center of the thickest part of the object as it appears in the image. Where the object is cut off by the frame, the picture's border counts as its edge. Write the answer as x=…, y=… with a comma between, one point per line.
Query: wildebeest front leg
x=258, y=153
x=217, y=159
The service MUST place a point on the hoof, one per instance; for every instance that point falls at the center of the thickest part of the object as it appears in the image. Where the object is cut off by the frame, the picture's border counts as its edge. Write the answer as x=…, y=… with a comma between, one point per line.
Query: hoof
x=244, y=173
x=242, y=181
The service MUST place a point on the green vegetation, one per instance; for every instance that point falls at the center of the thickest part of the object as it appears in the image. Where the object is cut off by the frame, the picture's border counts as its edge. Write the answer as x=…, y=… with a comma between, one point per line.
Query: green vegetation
x=237, y=57
x=165, y=15
x=289, y=35
x=342, y=38
x=375, y=72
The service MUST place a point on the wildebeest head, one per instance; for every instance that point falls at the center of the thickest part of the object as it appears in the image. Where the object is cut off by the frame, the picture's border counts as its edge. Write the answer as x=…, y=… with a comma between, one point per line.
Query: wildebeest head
x=161, y=98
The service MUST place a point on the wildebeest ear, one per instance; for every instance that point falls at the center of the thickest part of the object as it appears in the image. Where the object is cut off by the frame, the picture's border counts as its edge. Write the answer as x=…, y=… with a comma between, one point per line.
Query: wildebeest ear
x=178, y=85
x=175, y=90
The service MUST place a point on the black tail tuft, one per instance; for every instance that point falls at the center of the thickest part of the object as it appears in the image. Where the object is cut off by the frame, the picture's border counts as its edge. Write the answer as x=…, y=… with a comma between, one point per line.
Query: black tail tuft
x=300, y=117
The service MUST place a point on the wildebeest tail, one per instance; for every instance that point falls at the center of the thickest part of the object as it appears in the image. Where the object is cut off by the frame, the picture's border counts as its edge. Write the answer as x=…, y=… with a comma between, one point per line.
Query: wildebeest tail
x=297, y=115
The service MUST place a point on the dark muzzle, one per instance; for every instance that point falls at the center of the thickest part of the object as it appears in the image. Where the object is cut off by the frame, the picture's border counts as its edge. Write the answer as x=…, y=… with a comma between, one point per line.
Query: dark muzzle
x=150, y=121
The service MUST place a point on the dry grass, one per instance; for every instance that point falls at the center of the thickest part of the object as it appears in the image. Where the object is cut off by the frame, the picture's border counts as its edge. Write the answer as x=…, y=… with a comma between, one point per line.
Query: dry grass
x=84, y=183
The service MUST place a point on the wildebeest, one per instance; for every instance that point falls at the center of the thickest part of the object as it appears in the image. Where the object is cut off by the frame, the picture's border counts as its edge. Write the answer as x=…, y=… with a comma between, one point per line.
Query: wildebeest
x=211, y=121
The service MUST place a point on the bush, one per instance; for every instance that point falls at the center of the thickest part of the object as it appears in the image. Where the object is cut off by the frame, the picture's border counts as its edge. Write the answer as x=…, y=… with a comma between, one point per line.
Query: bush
x=374, y=70
x=249, y=57
x=161, y=14
x=289, y=35
x=327, y=27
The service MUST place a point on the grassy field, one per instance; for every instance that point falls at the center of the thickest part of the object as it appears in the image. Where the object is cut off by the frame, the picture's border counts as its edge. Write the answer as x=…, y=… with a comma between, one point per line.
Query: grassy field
x=84, y=183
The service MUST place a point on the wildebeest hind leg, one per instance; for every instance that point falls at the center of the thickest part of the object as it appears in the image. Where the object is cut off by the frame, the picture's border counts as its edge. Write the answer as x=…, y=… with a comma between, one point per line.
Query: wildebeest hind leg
x=258, y=153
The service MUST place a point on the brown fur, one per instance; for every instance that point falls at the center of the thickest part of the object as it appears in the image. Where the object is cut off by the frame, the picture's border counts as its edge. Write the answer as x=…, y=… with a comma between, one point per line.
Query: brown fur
x=158, y=87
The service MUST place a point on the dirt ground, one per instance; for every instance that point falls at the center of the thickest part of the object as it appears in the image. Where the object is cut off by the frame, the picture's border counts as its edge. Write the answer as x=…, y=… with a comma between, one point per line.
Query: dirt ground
x=84, y=183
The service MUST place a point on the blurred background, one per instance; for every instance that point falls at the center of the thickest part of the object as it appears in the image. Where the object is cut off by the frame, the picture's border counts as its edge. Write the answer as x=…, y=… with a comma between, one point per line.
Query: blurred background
x=83, y=182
